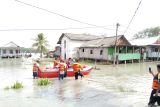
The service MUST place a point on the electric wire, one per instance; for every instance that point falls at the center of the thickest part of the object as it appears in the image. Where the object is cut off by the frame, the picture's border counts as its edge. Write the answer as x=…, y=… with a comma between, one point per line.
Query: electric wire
x=17, y=29
x=133, y=17
x=58, y=14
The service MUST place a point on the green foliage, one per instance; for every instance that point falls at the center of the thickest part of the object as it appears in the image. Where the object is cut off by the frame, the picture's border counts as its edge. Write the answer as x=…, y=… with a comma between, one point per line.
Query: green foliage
x=149, y=32
x=28, y=50
x=41, y=44
x=43, y=81
x=17, y=85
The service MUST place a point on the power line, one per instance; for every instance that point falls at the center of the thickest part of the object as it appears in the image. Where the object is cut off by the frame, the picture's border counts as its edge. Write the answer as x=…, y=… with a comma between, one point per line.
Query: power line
x=52, y=29
x=133, y=30
x=133, y=16
x=58, y=14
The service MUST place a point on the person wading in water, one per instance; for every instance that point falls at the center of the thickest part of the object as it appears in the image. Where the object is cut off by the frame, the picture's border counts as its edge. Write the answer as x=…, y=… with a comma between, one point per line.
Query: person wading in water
x=35, y=71
x=76, y=68
x=62, y=68
x=155, y=94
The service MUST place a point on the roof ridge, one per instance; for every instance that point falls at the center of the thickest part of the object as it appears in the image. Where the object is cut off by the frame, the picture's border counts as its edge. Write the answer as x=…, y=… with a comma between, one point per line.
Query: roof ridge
x=12, y=43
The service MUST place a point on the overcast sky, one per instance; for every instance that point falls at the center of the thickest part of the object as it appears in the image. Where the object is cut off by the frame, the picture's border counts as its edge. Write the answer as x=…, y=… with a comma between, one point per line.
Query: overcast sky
x=15, y=15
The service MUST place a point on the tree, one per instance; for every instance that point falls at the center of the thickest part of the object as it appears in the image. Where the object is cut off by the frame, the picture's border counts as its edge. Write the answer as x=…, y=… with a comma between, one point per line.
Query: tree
x=149, y=32
x=41, y=44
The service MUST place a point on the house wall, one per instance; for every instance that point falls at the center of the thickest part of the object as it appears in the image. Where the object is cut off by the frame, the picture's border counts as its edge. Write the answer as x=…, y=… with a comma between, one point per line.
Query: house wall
x=152, y=52
x=95, y=55
x=71, y=49
x=74, y=48
x=8, y=54
x=108, y=54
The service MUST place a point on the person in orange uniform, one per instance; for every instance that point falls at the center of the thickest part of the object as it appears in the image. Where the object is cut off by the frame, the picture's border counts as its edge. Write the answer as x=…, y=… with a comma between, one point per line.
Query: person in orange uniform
x=62, y=68
x=76, y=68
x=155, y=94
x=35, y=71
x=56, y=63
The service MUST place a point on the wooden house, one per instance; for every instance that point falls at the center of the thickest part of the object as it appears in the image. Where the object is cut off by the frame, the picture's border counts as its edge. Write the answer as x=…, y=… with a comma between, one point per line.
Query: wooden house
x=152, y=46
x=104, y=49
x=10, y=50
x=70, y=43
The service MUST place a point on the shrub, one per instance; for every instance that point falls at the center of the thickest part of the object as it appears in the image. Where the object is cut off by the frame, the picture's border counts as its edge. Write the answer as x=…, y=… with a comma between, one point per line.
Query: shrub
x=17, y=85
x=43, y=81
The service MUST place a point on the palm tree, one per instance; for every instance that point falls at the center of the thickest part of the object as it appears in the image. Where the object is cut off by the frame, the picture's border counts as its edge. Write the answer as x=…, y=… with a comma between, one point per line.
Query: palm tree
x=41, y=44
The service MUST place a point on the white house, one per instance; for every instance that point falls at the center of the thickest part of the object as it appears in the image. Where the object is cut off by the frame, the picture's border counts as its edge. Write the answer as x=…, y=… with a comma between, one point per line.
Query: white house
x=71, y=42
x=10, y=50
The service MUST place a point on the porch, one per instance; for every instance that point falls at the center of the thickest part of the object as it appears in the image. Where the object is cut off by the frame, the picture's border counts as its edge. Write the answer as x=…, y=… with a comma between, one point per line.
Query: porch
x=127, y=53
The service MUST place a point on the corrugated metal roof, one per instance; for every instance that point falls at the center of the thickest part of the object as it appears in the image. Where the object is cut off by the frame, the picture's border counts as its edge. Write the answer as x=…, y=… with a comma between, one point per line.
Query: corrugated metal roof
x=103, y=42
x=78, y=37
x=144, y=41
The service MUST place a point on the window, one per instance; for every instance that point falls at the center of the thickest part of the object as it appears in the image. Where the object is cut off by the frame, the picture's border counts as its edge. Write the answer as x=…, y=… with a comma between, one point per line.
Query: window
x=64, y=55
x=17, y=51
x=156, y=49
x=101, y=52
x=91, y=51
x=11, y=51
x=83, y=50
x=64, y=44
x=4, y=51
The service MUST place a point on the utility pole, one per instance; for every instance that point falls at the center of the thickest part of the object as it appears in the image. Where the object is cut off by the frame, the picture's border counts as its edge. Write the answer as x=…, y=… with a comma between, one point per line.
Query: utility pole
x=115, y=50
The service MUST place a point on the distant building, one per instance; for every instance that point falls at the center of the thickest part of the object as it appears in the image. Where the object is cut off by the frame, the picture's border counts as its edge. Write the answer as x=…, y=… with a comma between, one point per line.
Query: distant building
x=57, y=51
x=10, y=50
x=104, y=49
x=70, y=43
x=152, y=46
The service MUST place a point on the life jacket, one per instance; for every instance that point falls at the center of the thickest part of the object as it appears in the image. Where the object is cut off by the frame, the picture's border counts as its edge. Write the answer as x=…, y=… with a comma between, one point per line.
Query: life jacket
x=155, y=82
x=76, y=67
x=56, y=62
x=62, y=67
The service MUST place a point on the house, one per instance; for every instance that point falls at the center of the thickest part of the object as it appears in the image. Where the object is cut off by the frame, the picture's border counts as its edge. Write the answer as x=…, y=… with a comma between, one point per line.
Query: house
x=151, y=44
x=57, y=51
x=71, y=42
x=10, y=50
x=104, y=49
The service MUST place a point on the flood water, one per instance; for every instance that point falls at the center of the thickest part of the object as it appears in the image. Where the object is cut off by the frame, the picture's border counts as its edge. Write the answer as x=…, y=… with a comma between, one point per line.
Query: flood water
x=121, y=86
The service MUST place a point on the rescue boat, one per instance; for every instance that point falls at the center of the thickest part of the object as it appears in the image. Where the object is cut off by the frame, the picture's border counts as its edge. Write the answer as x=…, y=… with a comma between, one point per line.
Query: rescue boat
x=54, y=72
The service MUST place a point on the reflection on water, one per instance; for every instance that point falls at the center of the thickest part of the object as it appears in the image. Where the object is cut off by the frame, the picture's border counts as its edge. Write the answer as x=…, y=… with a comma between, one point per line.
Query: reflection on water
x=121, y=86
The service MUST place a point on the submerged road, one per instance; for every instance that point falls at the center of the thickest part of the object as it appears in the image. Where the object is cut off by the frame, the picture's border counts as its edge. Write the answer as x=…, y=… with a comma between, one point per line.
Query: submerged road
x=121, y=86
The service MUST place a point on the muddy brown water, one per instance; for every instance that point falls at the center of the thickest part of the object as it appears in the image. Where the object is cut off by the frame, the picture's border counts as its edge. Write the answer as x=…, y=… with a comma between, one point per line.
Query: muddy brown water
x=121, y=86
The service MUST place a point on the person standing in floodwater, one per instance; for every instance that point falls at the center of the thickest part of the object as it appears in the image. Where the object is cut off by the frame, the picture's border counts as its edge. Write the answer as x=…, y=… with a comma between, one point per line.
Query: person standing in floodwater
x=35, y=71
x=155, y=94
x=62, y=68
x=76, y=68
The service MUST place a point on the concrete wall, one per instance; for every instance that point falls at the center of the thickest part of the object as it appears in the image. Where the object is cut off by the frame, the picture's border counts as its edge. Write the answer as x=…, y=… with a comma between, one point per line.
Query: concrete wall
x=71, y=49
